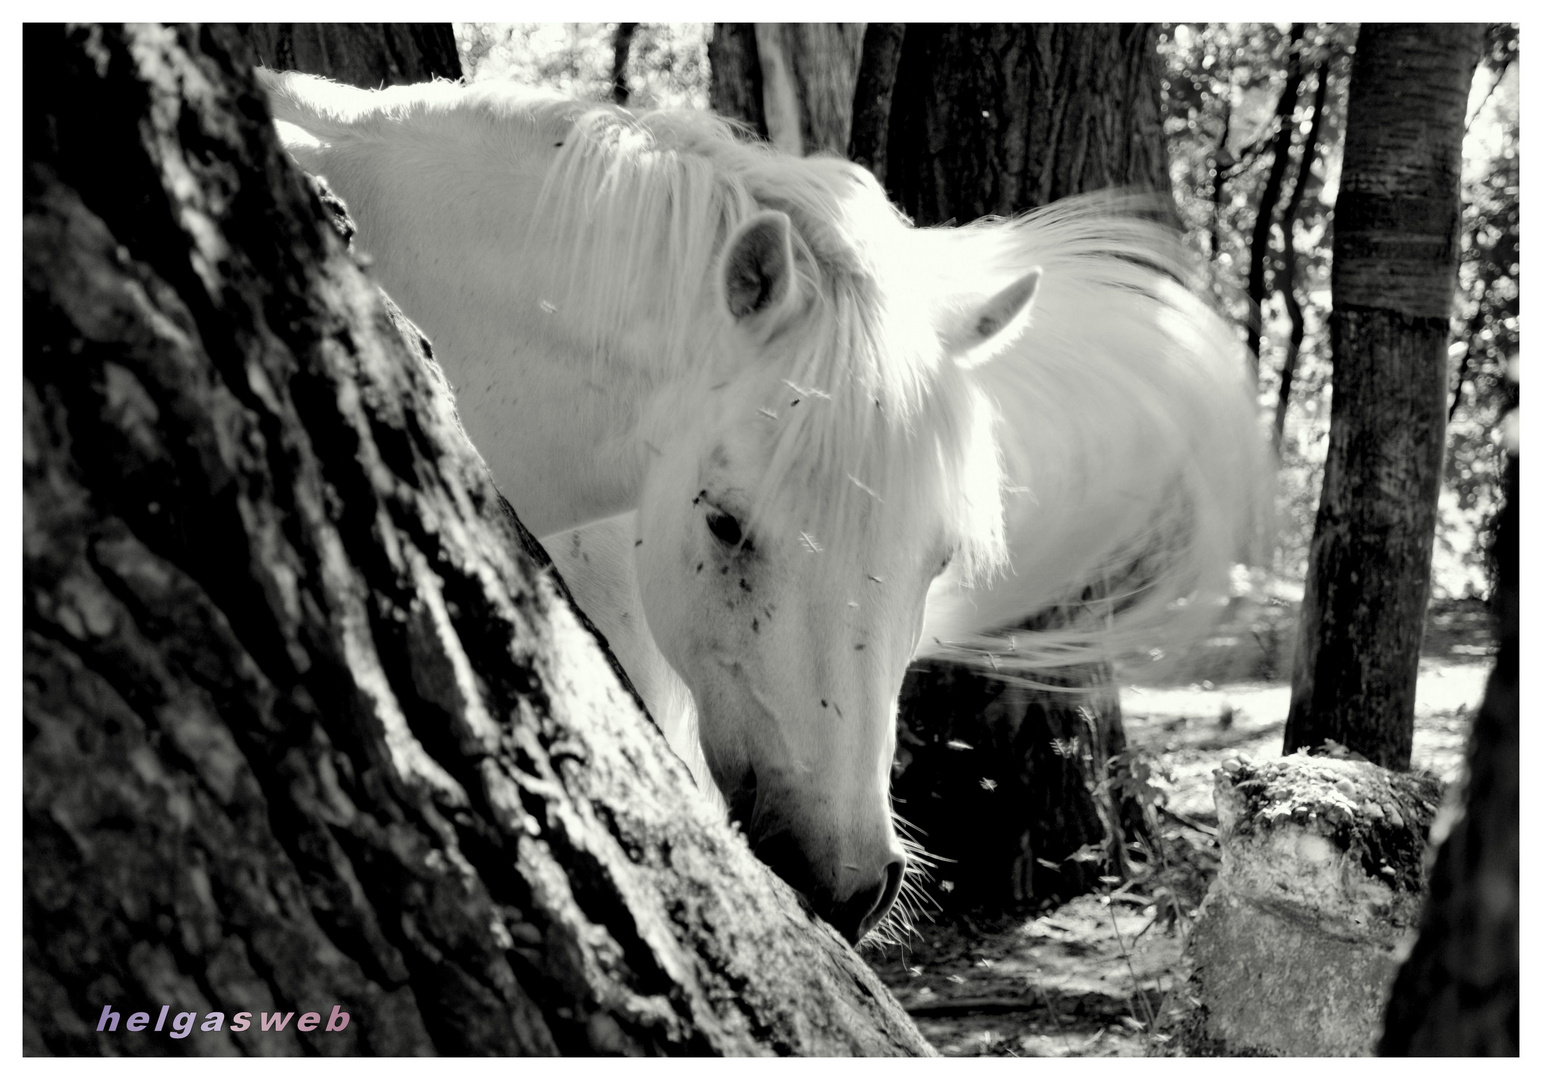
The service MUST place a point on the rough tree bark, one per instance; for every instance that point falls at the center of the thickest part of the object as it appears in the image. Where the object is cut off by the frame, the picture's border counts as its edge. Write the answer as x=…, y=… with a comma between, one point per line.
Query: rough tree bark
x=1458, y=993
x=1004, y=117
x=999, y=119
x=363, y=54
x=874, y=96
x=735, y=89
x=794, y=82
x=304, y=724
x=1395, y=251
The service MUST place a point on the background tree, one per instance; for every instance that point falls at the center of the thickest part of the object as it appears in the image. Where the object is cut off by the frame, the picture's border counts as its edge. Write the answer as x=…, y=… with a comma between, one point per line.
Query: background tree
x=1001, y=118
x=737, y=86
x=621, y=91
x=364, y=54
x=793, y=82
x=874, y=96
x=304, y=722
x=1396, y=245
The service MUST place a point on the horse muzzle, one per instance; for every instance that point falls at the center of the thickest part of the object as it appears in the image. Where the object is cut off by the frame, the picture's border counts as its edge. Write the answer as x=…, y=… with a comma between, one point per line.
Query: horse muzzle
x=851, y=892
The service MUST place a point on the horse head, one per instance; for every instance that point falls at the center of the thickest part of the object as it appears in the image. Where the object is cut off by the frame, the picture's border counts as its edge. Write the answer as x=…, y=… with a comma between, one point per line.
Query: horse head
x=806, y=489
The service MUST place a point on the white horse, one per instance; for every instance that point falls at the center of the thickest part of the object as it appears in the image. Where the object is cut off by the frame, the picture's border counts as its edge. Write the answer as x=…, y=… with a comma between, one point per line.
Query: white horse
x=809, y=433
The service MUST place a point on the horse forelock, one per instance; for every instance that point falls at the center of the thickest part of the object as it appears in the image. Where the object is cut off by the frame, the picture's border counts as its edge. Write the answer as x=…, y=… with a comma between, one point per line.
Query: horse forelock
x=876, y=429
x=878, y=435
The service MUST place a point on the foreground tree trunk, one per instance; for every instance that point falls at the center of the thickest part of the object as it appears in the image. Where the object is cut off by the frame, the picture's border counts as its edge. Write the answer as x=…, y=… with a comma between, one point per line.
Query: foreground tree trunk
x=304, y=725
x=1395, y=250
x=1009, y=783
x=363, y=54
x=1459, y=992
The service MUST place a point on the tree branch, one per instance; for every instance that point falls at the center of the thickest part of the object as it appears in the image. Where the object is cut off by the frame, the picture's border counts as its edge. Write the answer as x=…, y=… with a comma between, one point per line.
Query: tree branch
x=1259, y=250
x=1288, y=256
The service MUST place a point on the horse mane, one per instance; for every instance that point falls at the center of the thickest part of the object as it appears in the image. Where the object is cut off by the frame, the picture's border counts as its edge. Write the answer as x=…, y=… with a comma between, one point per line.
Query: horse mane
x=1135, y=471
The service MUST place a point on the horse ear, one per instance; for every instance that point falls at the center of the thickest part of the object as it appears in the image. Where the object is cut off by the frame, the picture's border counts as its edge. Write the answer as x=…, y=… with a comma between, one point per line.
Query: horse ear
x=759, y=276
x=986, y=329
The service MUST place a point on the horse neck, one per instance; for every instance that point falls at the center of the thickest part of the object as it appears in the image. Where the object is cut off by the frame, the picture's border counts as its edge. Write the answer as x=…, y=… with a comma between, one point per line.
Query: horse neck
x=445, y=214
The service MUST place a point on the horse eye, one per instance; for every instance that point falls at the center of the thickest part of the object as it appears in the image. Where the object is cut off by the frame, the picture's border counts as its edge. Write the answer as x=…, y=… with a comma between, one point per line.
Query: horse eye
x=725, y=527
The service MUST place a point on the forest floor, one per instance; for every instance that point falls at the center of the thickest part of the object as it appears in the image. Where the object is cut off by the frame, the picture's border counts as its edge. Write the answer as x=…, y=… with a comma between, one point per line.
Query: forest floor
x=1087, y=978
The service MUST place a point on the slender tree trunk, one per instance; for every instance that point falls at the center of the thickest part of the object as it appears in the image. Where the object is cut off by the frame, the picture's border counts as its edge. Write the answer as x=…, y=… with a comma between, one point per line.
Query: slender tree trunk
x=1461, y=380
x=362, y=54
x=621, y=92
x=1269, y=198
x=1000, y=119
x=1287, y=277
x=1394, y=276
x=303, y=724
x=1224, y=162
x=779, y=88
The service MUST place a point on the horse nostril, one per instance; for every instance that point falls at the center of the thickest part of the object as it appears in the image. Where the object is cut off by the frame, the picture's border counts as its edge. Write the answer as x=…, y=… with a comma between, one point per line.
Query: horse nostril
x=868, y=906
x=894, y=874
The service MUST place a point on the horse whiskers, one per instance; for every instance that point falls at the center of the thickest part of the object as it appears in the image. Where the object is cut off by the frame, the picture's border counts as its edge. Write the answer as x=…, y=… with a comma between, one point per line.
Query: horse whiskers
x=899, y=926
x=913, y=902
